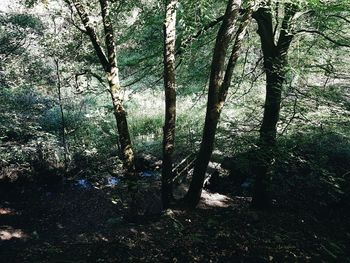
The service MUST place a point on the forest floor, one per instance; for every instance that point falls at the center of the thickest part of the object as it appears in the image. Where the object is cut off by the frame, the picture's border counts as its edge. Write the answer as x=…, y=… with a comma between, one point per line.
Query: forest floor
x=86, y=225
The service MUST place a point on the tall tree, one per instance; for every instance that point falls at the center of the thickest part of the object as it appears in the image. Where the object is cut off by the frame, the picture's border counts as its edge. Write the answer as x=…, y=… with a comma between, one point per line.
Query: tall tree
x=63, y=120
x=275, y=62
x=109, y=64
x=220, y=80
x=170, y=99
x=275, y=47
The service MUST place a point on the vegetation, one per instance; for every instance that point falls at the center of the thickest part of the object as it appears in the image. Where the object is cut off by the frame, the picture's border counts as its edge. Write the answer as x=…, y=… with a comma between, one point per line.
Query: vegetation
x=174, y=131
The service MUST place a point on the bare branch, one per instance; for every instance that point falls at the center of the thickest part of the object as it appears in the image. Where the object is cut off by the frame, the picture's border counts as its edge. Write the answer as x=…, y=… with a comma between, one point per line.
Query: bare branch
x=198, y=34
x=324, y=36
x=92, y=33
x=341, y=17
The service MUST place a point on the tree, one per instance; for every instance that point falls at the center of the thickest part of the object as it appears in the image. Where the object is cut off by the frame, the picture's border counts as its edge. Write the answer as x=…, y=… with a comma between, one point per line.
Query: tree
x=275, y=46
x=220, y=80
x=109, y=64
x=63, y=121
x=17, y=31
x=170, y=100
x=275, y=61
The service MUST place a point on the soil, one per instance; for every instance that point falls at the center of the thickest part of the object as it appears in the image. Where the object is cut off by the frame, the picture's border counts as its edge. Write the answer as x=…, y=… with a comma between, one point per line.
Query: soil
x=80, y=224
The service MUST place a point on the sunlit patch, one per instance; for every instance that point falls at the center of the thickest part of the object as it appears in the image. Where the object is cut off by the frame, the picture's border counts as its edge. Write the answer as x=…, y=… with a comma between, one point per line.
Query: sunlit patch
x=6, y=211
x=10, y=233
x=214, y=200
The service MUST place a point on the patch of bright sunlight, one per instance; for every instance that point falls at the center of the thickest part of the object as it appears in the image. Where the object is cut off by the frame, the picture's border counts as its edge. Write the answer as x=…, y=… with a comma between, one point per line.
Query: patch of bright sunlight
x=214, y=200
x=9, y=233
x=6, y=211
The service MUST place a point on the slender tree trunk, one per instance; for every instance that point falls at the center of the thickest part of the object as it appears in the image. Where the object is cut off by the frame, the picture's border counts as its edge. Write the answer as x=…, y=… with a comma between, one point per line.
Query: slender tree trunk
x=91, y=32
x=63, y=121
x=115, y=90
x=275, y=63
x=122, y=124
x=170, y=100
x=220, y=80
x=109, y=64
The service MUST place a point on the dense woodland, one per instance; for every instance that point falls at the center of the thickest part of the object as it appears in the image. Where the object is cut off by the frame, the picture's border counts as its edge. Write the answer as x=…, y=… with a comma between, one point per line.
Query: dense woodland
x=175, y=131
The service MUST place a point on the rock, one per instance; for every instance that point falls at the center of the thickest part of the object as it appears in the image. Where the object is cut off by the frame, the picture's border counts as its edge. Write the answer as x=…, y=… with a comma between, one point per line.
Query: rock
x=147, y=162
x=213, y=167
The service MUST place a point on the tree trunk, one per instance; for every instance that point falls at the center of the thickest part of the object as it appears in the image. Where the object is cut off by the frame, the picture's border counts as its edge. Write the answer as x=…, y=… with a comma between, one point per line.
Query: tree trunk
x=265, y=158
x=115, y=90
x=275, y=77
x=170, y=100
x=275, y=62
x=220, y=80
x=91, y=32
x=109, y=64
x=63, y=124
x=122, y=124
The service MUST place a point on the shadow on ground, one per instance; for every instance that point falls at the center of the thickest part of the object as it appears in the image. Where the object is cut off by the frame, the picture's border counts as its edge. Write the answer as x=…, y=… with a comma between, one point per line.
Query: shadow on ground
x=86, y=225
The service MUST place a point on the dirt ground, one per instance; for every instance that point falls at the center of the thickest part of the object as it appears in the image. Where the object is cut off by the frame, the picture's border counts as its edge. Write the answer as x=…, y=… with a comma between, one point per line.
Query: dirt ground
x=86, y=225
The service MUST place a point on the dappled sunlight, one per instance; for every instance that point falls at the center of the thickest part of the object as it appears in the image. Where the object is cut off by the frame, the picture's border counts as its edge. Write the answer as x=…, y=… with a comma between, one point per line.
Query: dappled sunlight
x=214, y=200
x=174, y=131
x=8, y=233
x=6, y=211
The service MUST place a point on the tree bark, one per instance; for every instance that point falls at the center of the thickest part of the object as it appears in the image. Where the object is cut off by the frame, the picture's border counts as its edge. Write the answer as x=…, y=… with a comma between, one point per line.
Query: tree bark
x=220, y=80
x=275, y=62
x=63, y=120
x=115, y=90
x=170, y=100
x=91, y=32
x=109, y=64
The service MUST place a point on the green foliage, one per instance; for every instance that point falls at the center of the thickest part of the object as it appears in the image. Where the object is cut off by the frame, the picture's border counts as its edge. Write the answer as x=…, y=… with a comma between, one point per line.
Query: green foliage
x=189, y=128
x=21, y=134
x=26, y=21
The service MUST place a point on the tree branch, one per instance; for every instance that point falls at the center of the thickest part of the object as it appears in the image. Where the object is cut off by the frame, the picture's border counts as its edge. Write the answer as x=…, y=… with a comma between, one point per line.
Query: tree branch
x=198, y=34
x=91, y=33
x=324, y=36
x=341, y=17
x=234, y=54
